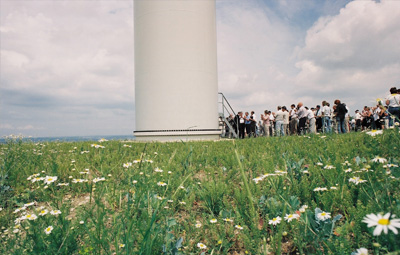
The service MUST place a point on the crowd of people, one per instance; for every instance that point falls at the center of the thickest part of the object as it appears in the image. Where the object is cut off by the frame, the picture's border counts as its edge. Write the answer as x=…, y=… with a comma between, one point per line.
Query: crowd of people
x=300, y=119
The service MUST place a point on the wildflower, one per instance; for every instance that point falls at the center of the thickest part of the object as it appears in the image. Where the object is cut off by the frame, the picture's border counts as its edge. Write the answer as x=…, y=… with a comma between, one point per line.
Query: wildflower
x=182, y=202
x=81, y=222
x=48, y=230
x=127, y=165
x=382, y=223
x=219, y=242
x=79, y=180
x=97, y=179
x=213, y=220
x=37, y=179
x=29, y=204
x=357, y=180
x=55, y=212
x=43, y=212
x=348, y=170
x=228, y=220
x=149, y=161
x=161, y=184
x=198, y=225
x=306, y=172
x=121, y=245
x=280, y=172
x=158, y=170
x=169, y=172
x=16, y=230
x=378, y=159
x=320, y=189
x=181, y=187
x=329, y=167
x=239, y=227
x=97, y=146
x=303, y=208
x=275, y=221
x=201, y=246
x=126, y=145
x=30, y=217
x=103, y=140
x=374, y=132
x=333, y=187
x=319, y=164
x=346, y=163
x=323, y=216
x=290, y=217
x=62, y=184
x=134, y=181
x=32, y=176
x=361, y=251
x=257, y=179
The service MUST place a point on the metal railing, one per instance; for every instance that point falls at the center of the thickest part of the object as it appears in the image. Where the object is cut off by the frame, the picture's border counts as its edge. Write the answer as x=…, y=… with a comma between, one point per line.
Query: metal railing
x=225, y=110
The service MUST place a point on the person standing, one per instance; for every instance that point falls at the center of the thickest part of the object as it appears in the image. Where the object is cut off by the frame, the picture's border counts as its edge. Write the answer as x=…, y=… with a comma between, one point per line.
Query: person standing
x=293, y=120
x=393, y=103
x=279, y=116
x=253, y=124
x=318, y=117
x=358, y=118
x=311, y=121
x=302, y=115
x=285, y=120
x=239, y=120
x=340, y=112
x=326, y=119
x=247, y=123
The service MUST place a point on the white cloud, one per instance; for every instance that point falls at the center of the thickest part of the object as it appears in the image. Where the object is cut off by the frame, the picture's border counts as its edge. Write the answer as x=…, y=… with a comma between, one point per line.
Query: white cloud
x=354, y=55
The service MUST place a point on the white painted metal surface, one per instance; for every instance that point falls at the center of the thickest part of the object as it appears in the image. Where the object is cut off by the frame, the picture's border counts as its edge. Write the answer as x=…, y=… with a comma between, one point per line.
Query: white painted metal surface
x=175, y=69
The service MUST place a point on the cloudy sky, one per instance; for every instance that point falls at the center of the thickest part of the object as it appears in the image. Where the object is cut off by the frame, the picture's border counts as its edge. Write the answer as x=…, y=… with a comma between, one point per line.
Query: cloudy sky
x=66, y=67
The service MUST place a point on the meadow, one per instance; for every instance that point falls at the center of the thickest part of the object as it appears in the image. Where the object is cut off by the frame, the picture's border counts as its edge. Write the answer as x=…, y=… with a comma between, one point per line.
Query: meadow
x=315, y=194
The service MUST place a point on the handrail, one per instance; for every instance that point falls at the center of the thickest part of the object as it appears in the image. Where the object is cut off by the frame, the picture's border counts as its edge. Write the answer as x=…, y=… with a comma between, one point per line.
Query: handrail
x=224, y=99
x=224, y=103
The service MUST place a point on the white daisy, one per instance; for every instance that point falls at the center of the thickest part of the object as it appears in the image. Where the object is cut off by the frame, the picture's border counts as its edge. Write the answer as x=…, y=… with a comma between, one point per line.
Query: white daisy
x=382, y=223
x=378, y=159
x=361, y=251
x=201, y=246
x=324, y=216
x=290, y=217
x=48, y=230
x=374, y=132
x=275, y=221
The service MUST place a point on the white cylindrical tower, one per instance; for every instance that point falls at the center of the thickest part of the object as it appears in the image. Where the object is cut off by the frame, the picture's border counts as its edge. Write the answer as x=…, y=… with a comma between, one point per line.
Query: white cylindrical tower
x=176, y=85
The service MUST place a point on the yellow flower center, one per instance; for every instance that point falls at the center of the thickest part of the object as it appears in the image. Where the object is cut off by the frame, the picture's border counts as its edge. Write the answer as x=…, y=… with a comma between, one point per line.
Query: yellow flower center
x=274, y=219
x=290, y=216
x=323, y=214
x=383, y=222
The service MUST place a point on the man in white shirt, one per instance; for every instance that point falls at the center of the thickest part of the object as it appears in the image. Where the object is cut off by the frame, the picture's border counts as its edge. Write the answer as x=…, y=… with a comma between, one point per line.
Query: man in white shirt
x=358, y=119
x=285, y=120
x=293, y=119
x=393, y=103
x=279, y=116
x=326, y=113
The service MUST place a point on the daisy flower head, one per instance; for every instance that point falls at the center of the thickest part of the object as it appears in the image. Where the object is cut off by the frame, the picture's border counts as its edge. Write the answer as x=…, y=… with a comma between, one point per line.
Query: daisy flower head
x=213, y=220
x=303, y=208
x=374, y=132
x=121, y=245
x=361, y=251
x=238, y=227
x=198, y=225
x=97, y=179
x=161, y=184
x=55, y=212
x=378, y=159
x=329, y=167
x=228, y=220
x=43, y=212
x=158, y=170
x=30, y=217
x=382, y=223
x=319, y=164
x=48, y=230
x=357, y=180
x=275, y=221
x=201, y=246
x=323, y=216
x=290, y=217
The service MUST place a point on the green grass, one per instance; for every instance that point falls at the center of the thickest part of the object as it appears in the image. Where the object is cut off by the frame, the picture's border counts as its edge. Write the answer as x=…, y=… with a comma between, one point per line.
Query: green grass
x=131, y=212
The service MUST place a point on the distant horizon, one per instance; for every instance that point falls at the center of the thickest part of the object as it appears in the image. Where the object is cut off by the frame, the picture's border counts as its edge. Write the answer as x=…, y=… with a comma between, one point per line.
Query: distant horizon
x=67, y=67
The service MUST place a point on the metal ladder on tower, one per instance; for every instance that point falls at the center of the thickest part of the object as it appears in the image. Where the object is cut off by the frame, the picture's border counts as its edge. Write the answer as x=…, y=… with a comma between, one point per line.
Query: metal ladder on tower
x=225, y=110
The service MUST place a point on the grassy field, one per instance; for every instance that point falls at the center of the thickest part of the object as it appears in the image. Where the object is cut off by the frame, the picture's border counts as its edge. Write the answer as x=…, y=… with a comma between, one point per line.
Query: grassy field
x=290, y=195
